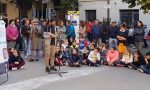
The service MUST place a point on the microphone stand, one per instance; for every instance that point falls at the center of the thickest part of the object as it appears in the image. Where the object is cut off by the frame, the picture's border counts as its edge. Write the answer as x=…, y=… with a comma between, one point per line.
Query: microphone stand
x=59, y=66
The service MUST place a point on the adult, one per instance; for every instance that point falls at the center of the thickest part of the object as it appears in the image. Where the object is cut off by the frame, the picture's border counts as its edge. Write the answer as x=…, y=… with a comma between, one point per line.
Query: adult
x=88, y=30
x=146, y=31
x=97, y=32
x=113, y=31
x=12, y=34
x=82, y=29
x=61, y=32
x=139, y=33
x=50, y=36
x=70, y=32
x=5, y=19
x=35, y=36
x=19, y=39
x=25, y=31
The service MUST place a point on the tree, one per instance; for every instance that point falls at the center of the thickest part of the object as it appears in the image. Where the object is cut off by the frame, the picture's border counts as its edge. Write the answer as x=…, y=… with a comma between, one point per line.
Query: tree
x=66, y=5
x=144, y=4
x=23, y=6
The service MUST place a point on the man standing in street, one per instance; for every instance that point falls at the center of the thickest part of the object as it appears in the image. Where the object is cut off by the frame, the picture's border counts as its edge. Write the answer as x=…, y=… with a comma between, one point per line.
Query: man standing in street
x=50, y=35
x=113, y=31
x=97, y=32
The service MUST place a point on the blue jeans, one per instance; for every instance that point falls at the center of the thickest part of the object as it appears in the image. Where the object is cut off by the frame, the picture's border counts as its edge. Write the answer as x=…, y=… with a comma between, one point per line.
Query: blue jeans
x=113, y=42
x=145, y=68
x=26, y=45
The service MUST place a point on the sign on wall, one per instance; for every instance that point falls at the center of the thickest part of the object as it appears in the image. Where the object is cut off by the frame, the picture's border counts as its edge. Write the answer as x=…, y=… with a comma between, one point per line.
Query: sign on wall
x=73, y=16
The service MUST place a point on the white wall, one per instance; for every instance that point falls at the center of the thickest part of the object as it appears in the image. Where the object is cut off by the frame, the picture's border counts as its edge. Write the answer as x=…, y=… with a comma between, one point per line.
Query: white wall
x=96, y=5
x=114, y=11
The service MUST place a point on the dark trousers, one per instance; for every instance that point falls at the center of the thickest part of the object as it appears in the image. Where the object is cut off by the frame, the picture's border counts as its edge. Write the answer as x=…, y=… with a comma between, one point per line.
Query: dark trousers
x=134, y=66
x=18, y=66
x=145, y=68
x=89, y=36
x=130, y=40
x=93, y=64
x=145, y=43
x=124, y=64
x=19, y=43
x=70, y=40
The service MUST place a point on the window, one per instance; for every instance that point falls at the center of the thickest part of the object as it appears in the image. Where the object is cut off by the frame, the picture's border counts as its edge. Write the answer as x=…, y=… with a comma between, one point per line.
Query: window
x=90, y=15
x=129, y=17
x=3, y=8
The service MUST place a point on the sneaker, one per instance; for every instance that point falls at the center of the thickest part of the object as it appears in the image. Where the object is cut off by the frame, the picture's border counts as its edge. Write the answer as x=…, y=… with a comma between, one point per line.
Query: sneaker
x=31, y=60
x=37, y=59
x=77, y=65
x=25, y=57
x=22, y=67
x=140, y=70
x=96, y=65
x=130, y=67
x=133, y=47
x=47, y=69
x=53, y=69
x=13, y=69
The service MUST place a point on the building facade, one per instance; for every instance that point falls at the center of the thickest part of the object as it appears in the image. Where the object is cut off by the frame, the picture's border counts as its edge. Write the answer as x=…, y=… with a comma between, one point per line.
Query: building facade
x=8, y=9
x=39, y=10
x=119, y=11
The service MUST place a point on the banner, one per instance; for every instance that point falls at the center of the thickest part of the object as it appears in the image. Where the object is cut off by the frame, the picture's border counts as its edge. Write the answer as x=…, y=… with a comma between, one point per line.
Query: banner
x=3, y=53
x=73, y=16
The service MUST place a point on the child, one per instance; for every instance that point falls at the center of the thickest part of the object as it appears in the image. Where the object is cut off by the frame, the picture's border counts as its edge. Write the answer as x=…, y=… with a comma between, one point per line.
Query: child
x=82, y=43
x=131, y=36
x=65, y=44
x=112, y=56
x=103, y=54
x=146, y=68
x=92, y=47
x=65, y=54
x=75, y=59
x=58, y=57
x=15, y=60
x=84, y=55
x=122, y=36
x=138, y=60
x=94, y=58
x=73, y=46
x=126, y=59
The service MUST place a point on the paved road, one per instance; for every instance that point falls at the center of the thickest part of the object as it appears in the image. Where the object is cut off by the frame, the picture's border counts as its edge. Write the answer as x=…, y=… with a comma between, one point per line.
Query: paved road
x=33, y=77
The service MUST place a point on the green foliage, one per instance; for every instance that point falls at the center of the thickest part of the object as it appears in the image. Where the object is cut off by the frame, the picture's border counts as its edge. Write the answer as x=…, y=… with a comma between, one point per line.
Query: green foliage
x=23, y=6
x=67, y=5
x=144, y=4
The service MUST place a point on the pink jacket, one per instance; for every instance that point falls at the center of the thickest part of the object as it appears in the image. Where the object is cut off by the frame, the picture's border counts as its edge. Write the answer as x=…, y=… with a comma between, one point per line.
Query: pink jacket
x=12, y=33
x=112, y=57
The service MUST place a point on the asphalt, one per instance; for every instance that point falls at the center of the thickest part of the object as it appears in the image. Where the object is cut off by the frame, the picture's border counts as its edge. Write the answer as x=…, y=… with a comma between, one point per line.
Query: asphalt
x=34, y=77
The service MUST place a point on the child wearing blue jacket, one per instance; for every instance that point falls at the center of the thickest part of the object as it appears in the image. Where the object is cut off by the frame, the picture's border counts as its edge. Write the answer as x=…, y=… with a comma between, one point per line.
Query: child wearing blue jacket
x=75, y=59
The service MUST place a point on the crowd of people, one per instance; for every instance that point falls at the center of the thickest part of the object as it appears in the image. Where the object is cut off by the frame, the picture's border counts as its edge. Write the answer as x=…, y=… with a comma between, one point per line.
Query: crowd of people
x=94, y=44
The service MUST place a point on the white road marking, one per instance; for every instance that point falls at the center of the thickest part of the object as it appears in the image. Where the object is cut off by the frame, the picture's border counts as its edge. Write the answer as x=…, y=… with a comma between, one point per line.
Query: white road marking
x=38, y=82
